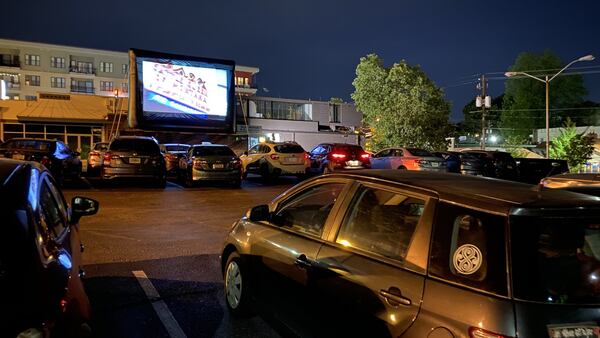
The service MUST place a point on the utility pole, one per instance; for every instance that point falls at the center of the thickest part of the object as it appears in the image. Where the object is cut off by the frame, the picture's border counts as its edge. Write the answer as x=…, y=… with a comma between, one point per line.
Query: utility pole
x=484, y=101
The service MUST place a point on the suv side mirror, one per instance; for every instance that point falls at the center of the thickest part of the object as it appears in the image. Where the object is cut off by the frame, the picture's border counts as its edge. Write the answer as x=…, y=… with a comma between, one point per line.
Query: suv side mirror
x=260, y=213
x=83, y=206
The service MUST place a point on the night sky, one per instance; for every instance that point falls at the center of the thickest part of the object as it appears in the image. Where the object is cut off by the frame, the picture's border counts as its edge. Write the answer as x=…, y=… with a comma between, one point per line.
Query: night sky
x=310, y=48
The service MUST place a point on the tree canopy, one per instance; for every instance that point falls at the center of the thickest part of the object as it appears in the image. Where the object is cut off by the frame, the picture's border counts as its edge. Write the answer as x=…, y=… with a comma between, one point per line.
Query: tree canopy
x=525, y=98
x=572, y=146
x=400, y=104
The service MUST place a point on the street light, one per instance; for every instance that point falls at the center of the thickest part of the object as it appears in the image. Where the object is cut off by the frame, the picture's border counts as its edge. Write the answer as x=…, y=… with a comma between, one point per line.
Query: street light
x=547, y=80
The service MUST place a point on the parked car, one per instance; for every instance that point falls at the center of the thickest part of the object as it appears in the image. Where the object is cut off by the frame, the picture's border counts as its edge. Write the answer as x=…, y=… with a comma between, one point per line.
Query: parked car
x=173, y=152
x=452, y=160
x=40, y=257
x=210, y=162
x=134, y=157
x=408, y=159
x=497, y=164
x=329, y=157
x=62, y=162
x=400, y=253
x=532, y=170
x=274, y=159
x=585, y=183
x=95, y=158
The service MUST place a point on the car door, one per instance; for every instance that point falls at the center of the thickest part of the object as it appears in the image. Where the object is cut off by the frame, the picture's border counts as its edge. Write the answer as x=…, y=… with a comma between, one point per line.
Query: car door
x=372, y=270
x=379, y=160
x=287, y=245
x=315, y=155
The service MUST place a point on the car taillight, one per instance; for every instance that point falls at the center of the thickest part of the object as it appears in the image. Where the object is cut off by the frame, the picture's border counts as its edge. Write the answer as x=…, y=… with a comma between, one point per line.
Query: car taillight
x=274, y=157
x=109, y=157
x=236, y=164
x=306, y=156
x=365, y=156
x=45, y=161
x=94, y=154
x=475, y=332
x=422, y=162
x=338, y=156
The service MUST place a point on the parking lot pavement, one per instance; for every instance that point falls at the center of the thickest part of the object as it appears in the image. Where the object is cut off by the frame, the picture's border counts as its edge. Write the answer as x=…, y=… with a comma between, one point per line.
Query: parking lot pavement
x=171, y=240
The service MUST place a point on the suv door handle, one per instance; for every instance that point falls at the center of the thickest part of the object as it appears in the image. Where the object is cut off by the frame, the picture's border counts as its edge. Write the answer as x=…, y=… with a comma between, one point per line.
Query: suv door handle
x=302, y=262
x=394, y=297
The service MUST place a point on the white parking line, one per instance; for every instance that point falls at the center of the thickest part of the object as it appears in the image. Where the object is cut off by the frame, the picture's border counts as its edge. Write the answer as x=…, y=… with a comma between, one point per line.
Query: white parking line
x=161, y=309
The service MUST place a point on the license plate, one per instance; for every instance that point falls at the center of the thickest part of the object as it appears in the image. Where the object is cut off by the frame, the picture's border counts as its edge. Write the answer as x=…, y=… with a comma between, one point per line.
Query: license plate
x=135, y=160
x=354, y=163
x=435, y=164
x=290, y=160
x=18, y=156
x=579, y=330
x=218, y=166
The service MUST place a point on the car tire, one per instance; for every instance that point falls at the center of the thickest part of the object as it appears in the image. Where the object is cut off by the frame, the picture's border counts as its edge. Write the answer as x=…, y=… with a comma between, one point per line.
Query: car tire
x=188, y=181
x=237, y=287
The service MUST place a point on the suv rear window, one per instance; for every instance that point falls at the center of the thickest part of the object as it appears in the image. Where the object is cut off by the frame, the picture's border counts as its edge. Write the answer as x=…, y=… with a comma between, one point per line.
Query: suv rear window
x=419, y=152
x=177, y=148
x=556, y=260
x=213, y=151
x=351, y=149
x=137, y=145
x=289, y=149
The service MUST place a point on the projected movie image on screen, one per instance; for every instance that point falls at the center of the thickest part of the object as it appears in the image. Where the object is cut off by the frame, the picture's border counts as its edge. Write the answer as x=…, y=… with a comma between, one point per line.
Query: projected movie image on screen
x=173, y=91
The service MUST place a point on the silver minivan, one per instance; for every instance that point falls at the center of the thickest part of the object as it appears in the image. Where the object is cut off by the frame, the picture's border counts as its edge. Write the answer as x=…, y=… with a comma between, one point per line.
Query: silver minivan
x=401, y=253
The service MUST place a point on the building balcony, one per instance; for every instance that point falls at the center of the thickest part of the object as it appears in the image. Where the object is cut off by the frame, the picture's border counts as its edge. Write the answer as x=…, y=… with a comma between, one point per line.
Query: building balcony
x=82, y=89
x=15, y=64
x=90, y=71
x=15, y=86
x=245, y=90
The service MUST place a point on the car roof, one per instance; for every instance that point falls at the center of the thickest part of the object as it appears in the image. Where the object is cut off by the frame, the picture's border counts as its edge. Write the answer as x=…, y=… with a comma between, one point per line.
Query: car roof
x=489, y=194
x=572, y=179
x=175, y=144
x=209, y=145
x=150, y=138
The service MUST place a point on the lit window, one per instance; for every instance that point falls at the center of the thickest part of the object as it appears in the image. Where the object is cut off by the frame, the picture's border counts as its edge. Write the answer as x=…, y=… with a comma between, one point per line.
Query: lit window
x=32, y=60
x=57, y=82
x=124, y=68
x=106, y=67
x=106, y=86
x=32, y=80
x=57, y=62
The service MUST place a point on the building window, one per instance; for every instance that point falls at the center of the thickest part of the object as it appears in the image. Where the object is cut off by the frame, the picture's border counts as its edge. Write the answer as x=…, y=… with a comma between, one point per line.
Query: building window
x=81, y=67
x=106, y=67
x=57, y=82
x=242, y=81
x=82, y=86
x=30, y=97
x=124, y=68
x=334, y=113
x=124, y=87
x=282, y=110
x=57, y=62
x=32, y=80
x=9, y=60
x=32, y=60
x=106, y=86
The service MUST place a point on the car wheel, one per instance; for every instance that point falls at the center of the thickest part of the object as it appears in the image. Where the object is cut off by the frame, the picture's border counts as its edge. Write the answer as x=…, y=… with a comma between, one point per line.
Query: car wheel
x=237, y=290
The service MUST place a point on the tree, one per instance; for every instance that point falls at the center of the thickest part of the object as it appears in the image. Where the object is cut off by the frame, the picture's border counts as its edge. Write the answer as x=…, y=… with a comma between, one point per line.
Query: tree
x=400, y=104
x=574, y=147
x=525, y=98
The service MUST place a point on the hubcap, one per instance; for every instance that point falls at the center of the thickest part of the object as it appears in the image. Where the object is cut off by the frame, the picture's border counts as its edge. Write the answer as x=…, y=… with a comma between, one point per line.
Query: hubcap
x=233, y=285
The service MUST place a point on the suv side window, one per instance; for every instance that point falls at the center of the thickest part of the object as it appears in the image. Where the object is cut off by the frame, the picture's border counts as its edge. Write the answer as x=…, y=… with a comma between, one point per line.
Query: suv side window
x=381, y=222
x=469, y=248
x=308, y=210
x=265, y=149
x=52, y=210
x=397, y=153
x=318, y=150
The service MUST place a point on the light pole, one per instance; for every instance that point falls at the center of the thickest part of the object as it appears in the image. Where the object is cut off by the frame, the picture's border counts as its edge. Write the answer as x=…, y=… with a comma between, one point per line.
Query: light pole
x=547, y=80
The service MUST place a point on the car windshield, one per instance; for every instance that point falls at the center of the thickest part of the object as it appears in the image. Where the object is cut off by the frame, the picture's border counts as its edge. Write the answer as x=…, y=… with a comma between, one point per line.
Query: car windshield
x=101, y=146
x=137, y=145
x=178, y=147
x=556, y=260
x=213, y=151
x=30, y=145
x=419, y=152
x=289, y=149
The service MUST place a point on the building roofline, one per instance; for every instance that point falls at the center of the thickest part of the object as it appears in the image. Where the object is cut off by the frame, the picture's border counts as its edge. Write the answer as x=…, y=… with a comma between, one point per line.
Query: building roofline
x=281, y=99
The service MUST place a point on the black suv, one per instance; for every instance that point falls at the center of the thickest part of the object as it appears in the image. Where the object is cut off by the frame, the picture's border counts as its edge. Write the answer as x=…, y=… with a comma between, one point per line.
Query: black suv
x=53, y=154
x=498, y=164
x=136, y=157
